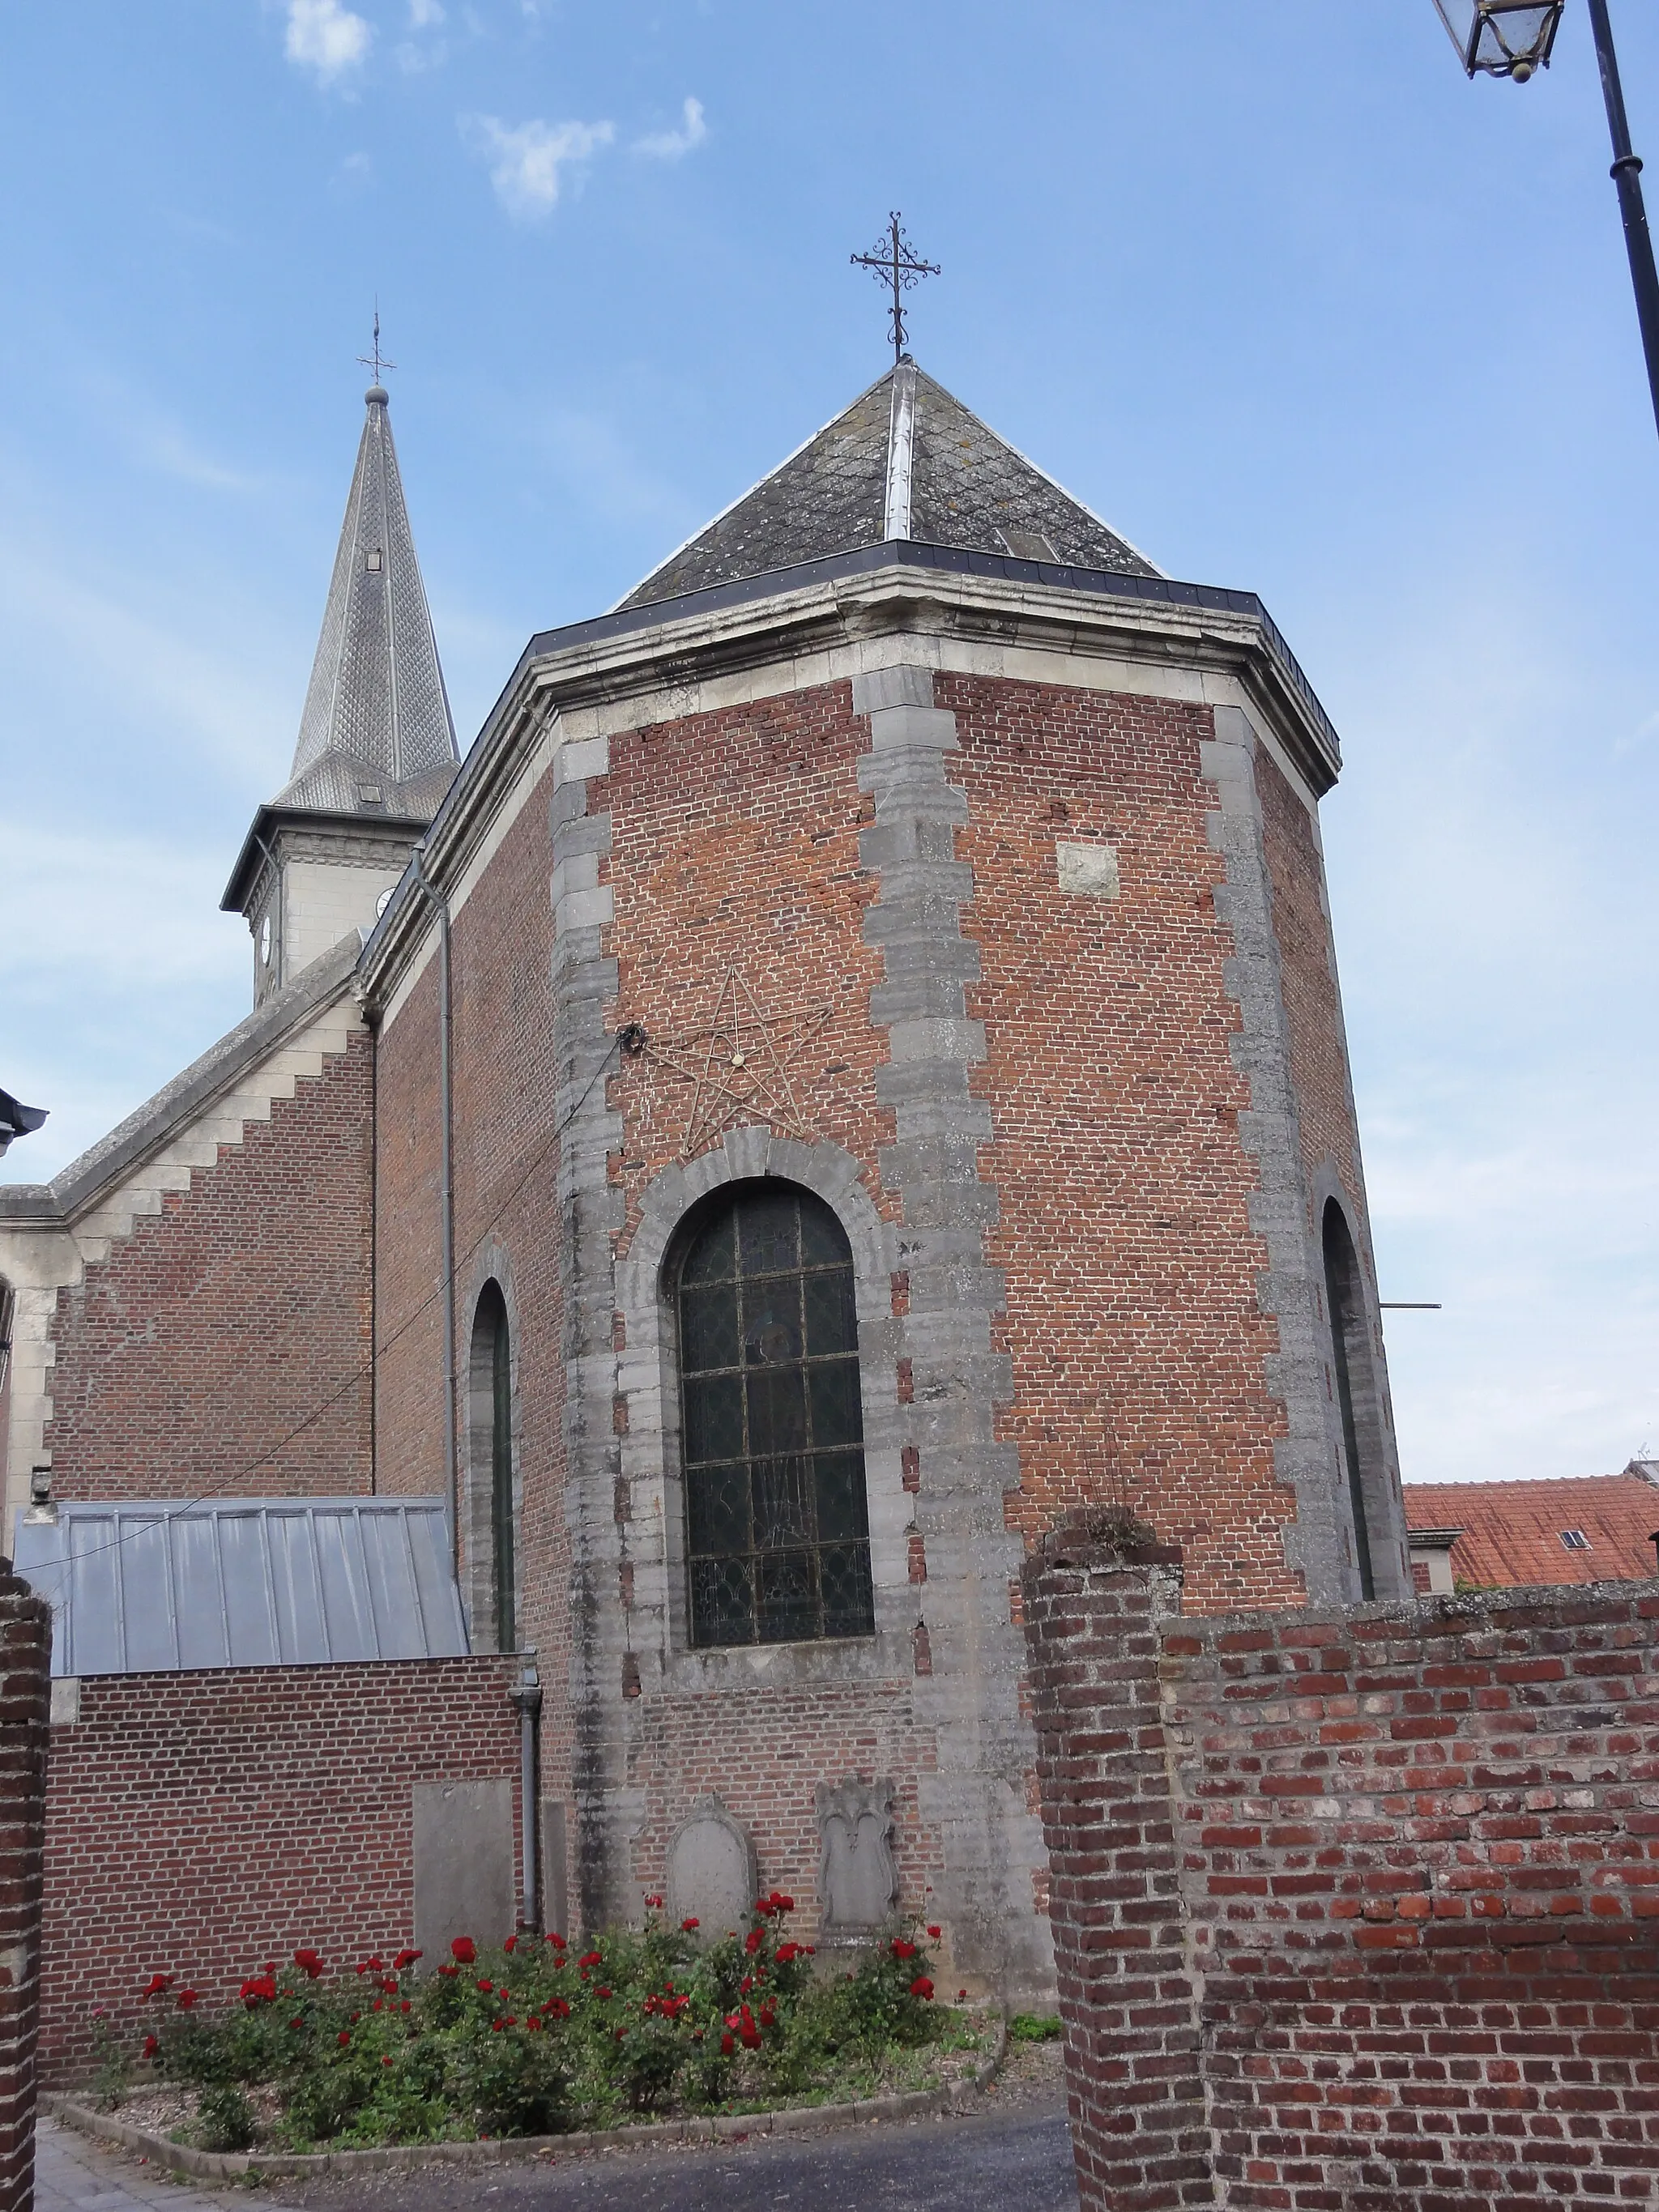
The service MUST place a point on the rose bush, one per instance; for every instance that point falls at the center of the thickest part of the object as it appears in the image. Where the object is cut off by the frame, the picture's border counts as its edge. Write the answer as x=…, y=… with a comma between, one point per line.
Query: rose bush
x=533, y=2039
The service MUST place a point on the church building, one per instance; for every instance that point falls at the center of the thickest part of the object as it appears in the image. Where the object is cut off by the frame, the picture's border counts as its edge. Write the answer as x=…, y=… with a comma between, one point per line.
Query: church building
x=848, y=1070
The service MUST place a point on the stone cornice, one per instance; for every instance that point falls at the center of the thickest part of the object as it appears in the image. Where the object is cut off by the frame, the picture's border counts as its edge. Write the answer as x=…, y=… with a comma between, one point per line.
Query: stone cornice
x=838, y=609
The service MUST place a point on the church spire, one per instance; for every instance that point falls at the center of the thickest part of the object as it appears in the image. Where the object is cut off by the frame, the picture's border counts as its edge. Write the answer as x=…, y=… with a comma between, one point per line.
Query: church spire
x=377, y=746
x=376, y=736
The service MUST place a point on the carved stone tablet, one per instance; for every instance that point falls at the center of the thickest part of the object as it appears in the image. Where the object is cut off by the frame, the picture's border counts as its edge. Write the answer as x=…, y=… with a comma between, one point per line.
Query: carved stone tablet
x=858, y=1879
x=712, y=1870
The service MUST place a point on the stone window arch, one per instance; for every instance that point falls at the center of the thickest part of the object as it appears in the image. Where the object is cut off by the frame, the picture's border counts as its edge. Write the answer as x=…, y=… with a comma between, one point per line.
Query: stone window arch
x=760, y=1282
x=1359, y=1408
x=491, y=1460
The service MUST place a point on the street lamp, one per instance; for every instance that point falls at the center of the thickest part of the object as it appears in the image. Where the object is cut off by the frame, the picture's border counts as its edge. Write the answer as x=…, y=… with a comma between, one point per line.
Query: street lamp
x=1514, y=39
x=1503, y=37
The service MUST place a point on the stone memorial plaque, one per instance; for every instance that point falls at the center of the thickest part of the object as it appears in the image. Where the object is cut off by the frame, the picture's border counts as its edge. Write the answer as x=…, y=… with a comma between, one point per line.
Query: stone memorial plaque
x=857, y=1877
x=712, y=1870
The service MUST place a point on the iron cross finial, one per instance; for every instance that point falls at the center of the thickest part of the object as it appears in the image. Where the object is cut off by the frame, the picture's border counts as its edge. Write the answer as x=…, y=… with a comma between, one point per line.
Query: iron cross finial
x=893, y=263
x=377, y=360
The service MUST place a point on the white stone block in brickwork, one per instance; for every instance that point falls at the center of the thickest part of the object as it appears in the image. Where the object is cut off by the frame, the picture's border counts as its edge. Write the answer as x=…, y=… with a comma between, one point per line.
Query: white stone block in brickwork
x=1089, y=870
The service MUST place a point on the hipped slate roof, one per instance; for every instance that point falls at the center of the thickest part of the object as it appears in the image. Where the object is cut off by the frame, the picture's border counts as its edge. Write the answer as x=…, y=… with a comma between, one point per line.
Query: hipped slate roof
x=1512, y=1532
x=906, y=460
x=376, y=735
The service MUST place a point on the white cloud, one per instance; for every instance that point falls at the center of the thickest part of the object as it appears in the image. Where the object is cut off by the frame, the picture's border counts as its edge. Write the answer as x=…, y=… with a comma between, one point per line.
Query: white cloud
x=671, y=145
x=326, y=37
x=424, y=14
x=524, y=159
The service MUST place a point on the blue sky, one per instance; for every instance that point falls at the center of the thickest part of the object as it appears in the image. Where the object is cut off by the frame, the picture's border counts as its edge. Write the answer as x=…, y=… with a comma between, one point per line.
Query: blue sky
x=1274, y=287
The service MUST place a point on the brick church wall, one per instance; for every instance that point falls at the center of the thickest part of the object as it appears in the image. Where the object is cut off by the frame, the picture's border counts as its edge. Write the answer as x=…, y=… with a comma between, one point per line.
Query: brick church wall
x=200, y=1823
x=1353, y=1908
x=1123, y=1227
x=1319, y=1058
x=25, y=1688
x=507, y=1226
x=223, y=1346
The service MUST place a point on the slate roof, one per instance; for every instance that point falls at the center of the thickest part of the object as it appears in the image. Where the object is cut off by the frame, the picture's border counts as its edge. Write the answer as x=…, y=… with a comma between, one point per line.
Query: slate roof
x=376, y=735
x=1512, y=1532
x=906, y=460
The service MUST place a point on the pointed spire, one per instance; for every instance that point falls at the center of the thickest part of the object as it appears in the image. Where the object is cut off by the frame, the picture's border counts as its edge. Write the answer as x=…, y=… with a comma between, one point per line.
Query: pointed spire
x=376, y=736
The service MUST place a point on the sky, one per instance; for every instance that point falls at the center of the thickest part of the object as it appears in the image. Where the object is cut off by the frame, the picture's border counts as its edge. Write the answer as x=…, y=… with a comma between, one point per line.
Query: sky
x=1275, y=289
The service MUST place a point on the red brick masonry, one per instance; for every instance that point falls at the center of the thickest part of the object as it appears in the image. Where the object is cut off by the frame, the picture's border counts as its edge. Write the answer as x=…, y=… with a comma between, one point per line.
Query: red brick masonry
x=198, y=1823
x=1354, y=1911
x=25, y=1695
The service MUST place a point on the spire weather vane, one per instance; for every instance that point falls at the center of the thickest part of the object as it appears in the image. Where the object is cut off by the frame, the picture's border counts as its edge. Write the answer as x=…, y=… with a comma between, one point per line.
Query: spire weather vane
x=379, y=360
x=893, y=263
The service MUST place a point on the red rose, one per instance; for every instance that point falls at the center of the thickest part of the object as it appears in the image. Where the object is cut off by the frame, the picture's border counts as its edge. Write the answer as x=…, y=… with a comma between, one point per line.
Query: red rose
x=257, y=1990
x=653, y=1904
x=344, y=2035
x=727, y=2046
x=557, y=1941
x=602, y=1993
x=451, y=1971
x=464, y=1950
x=962, y=1997
x=186, y=1999
x=752, y=1941
x=559, y=2009
x=296, y=2023
x=922, y=1988
x=405, y=1959
x=152, y=2045
x=309, y=1963
x=403, y=2007
x=901, y=1949
x=386, y=2062
x=379, y=2005
x=486, y=1987
x=157, y=1983
x=688, y=1925
x=932, y=1935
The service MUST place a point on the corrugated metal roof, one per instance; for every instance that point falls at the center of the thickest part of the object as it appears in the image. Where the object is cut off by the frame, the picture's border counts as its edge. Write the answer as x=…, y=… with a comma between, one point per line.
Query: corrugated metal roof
x=273, y=1581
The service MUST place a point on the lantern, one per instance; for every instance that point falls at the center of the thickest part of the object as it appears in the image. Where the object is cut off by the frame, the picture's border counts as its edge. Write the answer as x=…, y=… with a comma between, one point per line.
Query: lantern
x=1504, y=38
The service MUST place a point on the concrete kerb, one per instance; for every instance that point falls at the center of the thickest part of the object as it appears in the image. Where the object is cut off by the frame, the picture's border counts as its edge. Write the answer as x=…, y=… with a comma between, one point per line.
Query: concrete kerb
x=256, y=2166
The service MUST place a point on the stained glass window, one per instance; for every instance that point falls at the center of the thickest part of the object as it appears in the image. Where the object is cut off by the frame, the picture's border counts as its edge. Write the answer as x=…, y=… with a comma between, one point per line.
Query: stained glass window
x=778, y=1541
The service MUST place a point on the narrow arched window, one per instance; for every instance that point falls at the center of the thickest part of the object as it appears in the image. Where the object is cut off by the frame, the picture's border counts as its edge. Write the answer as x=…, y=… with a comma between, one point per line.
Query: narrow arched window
x=1352, y=1359
x=777, y=1535
x=490, y=1381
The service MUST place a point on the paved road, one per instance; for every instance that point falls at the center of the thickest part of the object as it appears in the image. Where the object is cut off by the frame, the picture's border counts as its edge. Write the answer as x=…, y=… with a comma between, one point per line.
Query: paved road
x=1015, y=2155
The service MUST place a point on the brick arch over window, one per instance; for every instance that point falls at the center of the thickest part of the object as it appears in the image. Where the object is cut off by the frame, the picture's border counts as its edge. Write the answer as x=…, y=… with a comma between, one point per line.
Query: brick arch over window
x=1358, y=1400
x=777, y=1539
x=492, y=1485
x=647, y=1381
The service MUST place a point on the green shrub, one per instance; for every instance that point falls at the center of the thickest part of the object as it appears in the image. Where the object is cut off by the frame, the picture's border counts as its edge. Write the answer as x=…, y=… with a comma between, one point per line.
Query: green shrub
x=1035, y=2027
x=533, y=2039
x=225, y=2119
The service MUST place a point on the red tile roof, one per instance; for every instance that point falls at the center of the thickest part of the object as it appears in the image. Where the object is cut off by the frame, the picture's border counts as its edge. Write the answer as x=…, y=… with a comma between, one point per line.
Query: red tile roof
x=1512, y=1531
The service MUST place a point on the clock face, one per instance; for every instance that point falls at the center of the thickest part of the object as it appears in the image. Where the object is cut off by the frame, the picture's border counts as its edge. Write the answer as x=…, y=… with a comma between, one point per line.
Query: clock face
x=264, y=942
x=384, y=901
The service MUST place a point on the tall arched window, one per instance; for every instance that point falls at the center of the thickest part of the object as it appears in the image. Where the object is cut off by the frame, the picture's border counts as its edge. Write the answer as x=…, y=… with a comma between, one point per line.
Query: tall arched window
x=491, y=1393
x=1354, y=1388
x=777, y=1536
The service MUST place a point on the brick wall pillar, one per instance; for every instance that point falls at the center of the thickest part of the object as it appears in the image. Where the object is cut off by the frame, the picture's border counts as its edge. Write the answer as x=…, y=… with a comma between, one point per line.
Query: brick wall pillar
x=1126, y=1991
x=25, y=1698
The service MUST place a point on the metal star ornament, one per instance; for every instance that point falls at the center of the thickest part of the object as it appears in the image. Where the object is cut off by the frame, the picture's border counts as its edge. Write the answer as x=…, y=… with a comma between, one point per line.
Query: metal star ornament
x=740, y=1063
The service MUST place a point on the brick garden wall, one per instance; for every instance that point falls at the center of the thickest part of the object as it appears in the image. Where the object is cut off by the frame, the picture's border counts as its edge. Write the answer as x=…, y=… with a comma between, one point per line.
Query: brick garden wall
x=198, y=1823
x=1356, y=1911
x=25, y=1690
x=223, y=1346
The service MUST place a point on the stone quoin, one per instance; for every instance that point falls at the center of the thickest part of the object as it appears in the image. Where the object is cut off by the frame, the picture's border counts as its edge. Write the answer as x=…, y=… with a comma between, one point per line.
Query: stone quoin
x=848, y=1070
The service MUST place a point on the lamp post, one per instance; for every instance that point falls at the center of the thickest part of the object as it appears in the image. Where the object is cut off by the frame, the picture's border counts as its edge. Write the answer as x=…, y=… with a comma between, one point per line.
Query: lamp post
x=1514, y=39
